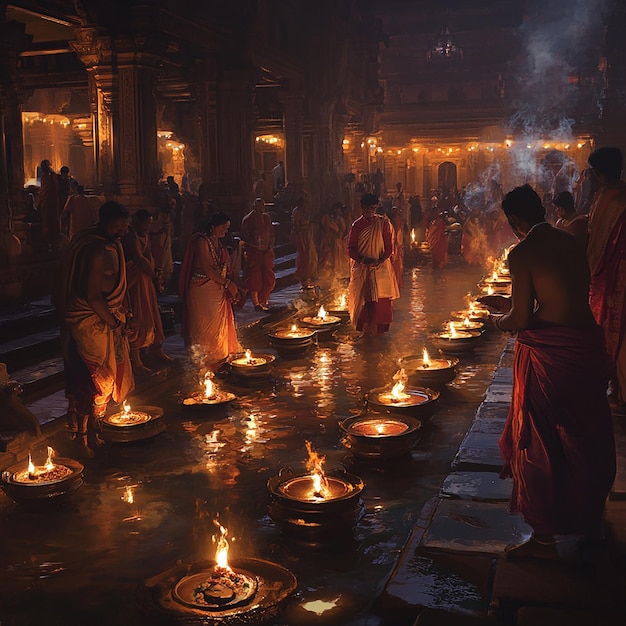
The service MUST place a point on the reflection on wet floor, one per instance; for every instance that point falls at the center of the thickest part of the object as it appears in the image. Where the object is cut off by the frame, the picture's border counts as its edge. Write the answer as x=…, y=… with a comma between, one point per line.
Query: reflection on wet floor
x=144, y=506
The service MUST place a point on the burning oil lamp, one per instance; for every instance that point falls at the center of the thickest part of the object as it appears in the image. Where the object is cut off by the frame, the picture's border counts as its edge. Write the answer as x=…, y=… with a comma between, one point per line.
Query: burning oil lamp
x=466, y=324
x=210, y=396
x=417, y=402
x=378, y=438
x=292, y=342
x=413, y=237
x=318, y=502
x=230, y=592
x=429, y=372
x=339, y=307
x=133, y=424
x=249, y=365
x=453, y=340
x=44, y=482
x=322, y=322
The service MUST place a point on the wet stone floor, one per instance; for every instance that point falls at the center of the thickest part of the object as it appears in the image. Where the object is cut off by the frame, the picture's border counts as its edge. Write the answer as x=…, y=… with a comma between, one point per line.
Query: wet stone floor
x=146, y=506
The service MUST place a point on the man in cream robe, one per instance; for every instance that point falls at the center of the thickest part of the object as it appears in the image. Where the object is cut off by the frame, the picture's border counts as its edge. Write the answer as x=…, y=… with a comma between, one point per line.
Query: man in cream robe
x=373, y=282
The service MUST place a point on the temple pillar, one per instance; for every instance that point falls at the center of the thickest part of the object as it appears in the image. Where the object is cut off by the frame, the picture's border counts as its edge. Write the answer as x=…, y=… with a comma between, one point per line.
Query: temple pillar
x=235, y=139
x=122, y=77
x=12, y=40
x=206, y=97
x=94, y=51
x=293, y=121
x=136, y=130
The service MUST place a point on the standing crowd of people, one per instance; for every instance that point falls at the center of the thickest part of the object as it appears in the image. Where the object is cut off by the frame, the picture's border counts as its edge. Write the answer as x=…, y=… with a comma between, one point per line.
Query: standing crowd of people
x=567, y=308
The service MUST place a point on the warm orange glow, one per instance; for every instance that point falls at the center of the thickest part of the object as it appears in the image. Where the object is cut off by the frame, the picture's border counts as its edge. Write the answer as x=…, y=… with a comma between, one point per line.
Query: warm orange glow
x=397, y=391
x=452, y=329
x=343, y=301
x=466, y=322
x=321, y=314
x=31, y=466
x=129, y=496
x=209, y=387
x=49, y=464
x=249, y=357
x=413, y=235
x=126, y=407
x=294, y=328
x=221, y=551
x=315, y=465
x=490, y=290
x=425, y=358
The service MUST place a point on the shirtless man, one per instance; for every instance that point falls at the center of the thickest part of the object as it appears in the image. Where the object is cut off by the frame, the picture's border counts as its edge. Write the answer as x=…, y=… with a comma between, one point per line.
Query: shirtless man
x=557, y=443
x=95, y=323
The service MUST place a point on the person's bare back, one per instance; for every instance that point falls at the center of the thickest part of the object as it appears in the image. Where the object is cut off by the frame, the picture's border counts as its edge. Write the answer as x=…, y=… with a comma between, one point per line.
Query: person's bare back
x=550, y=278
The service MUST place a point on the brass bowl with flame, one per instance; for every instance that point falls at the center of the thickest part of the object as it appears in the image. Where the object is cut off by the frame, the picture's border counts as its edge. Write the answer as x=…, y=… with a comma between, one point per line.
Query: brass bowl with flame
x=172, y=593
x=292, y=344
x=323, y=327
x=22, y=490
x=460, y=343
x=437, y=375
x=293, y=507
x=259, y=367
x=421, y=402
x=148, y=423
x=376, y=438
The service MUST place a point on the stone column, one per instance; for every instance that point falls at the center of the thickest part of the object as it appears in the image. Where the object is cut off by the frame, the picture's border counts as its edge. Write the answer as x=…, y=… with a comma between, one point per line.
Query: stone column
x=206, y=98
x=136, y=131
x=235, y=138
x=293, y=120
x=12, y=40
x=95, y=51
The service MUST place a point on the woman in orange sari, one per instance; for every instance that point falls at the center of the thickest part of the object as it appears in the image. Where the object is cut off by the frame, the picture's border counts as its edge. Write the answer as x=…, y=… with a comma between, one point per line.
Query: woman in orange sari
x=207, y=293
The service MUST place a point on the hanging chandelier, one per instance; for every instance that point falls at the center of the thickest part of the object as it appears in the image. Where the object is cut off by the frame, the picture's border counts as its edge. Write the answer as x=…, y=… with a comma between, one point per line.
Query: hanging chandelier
x=444, y=46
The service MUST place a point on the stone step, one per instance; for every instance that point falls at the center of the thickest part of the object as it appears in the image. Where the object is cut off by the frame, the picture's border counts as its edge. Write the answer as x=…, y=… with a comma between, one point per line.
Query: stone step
x=21, y=351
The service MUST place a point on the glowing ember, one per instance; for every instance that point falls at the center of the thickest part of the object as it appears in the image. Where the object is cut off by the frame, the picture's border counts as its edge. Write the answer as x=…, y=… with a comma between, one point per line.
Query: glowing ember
x=47, y=473
x=315, y=465
x=425, y=358
x=321, y=314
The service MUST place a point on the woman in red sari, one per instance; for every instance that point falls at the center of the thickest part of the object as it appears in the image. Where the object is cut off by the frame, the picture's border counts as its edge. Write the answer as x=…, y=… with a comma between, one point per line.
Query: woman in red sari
x=207, y=293
x=557, y=443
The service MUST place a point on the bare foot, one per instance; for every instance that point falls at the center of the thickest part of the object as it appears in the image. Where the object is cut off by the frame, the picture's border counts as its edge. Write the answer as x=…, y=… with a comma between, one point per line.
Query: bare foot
x=532, y=549
x=82, y=448
x=159, y=354
x=140, y=369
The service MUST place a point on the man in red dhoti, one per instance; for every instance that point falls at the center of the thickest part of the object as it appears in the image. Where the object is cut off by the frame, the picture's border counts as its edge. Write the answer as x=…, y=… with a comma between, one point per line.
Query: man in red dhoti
x=373, y=282
x=557, y=443
x=606, y=252
x=257, y=234
x=94, y=322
